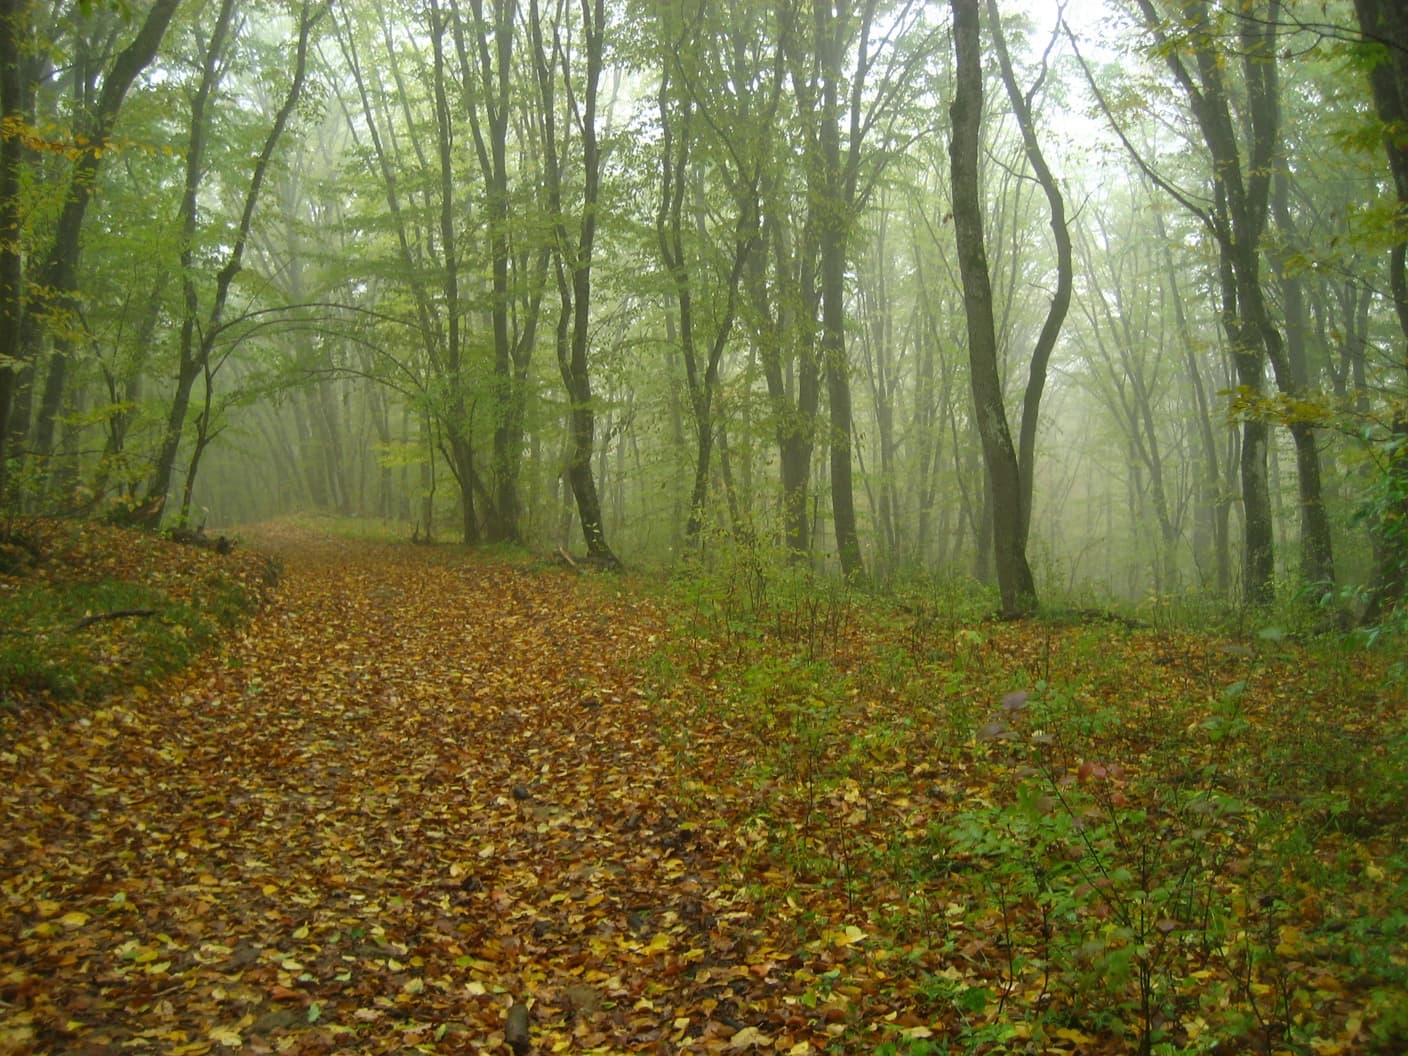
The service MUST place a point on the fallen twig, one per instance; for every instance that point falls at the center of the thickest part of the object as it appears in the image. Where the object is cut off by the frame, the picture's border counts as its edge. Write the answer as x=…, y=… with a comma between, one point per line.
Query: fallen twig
x=116, y=614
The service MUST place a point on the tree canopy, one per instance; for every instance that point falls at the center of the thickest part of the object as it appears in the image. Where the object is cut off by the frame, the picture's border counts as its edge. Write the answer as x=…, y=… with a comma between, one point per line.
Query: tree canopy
x=1052, y=296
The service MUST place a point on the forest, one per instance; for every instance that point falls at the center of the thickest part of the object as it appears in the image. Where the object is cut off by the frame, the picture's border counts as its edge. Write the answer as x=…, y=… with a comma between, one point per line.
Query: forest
x=921, y=494
x=1083, y=301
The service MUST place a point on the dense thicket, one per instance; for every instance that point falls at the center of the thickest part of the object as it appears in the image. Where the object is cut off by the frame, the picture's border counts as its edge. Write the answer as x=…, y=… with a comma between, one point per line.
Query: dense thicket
x=1115, y=299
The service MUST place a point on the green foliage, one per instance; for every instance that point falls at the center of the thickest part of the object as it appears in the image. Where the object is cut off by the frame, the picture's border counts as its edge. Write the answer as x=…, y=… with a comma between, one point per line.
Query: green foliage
x=1164, y=840
x=82, y=622
x=750, y=591
x=46, y=651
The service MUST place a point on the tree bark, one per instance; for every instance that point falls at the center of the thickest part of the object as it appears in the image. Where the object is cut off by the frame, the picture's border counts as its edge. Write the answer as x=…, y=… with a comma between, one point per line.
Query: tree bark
x=13, y=21
x=573, y=254
x=458, y=426
x=57, y=282
x=1386, y=22
x=1237, y=222
x=1015, y=582
x=189, y=362
x=1065, y=273
x=784, y=322
x=486, y=62
x=196, y=351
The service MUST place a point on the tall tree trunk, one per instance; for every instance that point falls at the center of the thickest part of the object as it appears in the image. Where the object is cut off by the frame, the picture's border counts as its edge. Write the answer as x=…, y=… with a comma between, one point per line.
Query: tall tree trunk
x=1317, y=563
x=573, y=256
x=1213, y=503
x=56, y=285
x=189, y=363
x=1015, y=582
x=13, y=22
x=784, y=322
x=458, y=427
x=1243, y=196
x=838, y=398
x=1386, y=21
x=1065, y=274
x=196, y=352
x=832, y=185
x=486, y=63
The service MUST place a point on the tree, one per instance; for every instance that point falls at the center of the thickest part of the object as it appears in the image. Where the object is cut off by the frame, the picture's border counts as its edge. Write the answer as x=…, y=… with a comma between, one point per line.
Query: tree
x=13, y=106
x=55, y=286
x=486, y=57
x=1384, y=24
x=1021, y=104
x=1016, y=585
x=1237, y=221
x=718, y=97
x=200, y=330
x=573, y=250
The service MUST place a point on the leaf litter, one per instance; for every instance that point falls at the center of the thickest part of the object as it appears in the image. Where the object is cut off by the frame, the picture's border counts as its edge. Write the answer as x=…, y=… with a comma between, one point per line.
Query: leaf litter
x=428, y=802
x=414, y=793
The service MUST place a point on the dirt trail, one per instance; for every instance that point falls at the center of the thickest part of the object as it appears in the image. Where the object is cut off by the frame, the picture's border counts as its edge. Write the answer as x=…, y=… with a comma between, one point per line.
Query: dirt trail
x=418, y=788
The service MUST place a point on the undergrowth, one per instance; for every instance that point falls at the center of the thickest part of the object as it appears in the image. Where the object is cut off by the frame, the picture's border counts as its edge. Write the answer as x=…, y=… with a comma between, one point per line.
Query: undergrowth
x=89, y=610
x=1109, y=836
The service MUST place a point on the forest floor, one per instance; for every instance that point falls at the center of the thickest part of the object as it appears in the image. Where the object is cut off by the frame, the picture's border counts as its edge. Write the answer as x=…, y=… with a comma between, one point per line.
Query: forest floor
x=429, y=801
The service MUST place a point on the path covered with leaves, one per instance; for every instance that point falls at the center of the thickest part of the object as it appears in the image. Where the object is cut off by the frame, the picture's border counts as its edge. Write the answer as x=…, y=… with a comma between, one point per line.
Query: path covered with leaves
x=436, y=802
x=418, y=789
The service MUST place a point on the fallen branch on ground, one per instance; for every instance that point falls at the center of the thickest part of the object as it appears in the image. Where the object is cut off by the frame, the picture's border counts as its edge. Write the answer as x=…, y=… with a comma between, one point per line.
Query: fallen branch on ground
x=116, y=614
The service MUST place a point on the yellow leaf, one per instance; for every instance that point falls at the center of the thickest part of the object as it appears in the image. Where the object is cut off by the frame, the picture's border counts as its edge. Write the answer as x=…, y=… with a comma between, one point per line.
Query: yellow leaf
x=1068, y=1034
x=748, y=1036
x=227, y=1036
x=847, y=936
x=74, y=919
x=16, y=1039
x=1290, y=941
x=1196, y=1027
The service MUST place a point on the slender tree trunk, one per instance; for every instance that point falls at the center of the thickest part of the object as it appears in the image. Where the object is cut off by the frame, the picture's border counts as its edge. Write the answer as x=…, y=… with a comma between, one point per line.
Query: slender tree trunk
x=486, y=62
x=58, y=275
x=1015, y=582
x=1237, y=222
x=838, y=394
x=189, y=363
x=13, y=22
x=458, y=426
x=1387, y=21
x=782, y=323
x=1065, y=275
x=1213, y=503
x=574, y=256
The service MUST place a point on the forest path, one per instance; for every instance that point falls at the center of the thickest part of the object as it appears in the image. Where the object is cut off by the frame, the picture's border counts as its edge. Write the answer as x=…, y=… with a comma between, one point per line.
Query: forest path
x=419, y=787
